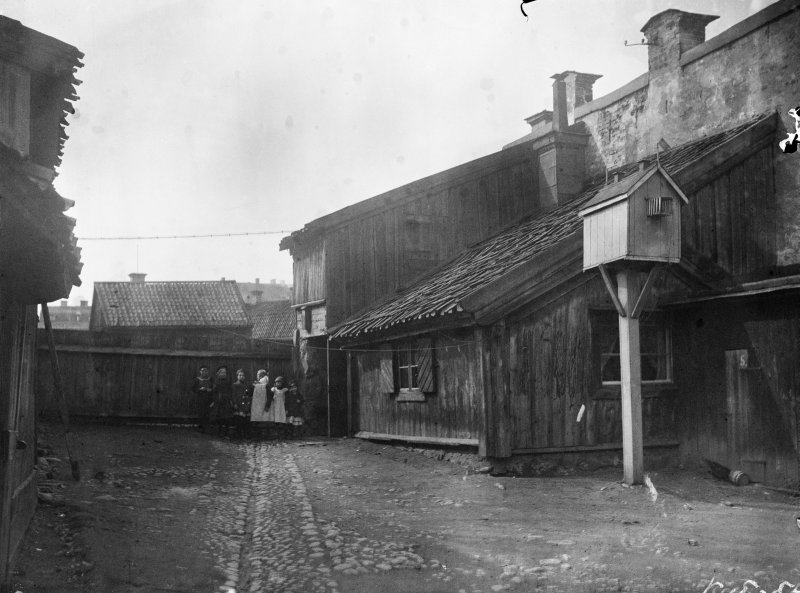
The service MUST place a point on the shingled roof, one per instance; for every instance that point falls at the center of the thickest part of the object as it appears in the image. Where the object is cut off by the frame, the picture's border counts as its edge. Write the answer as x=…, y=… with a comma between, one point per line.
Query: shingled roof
x=273, y=320
x=442, y=292
x=168, y=304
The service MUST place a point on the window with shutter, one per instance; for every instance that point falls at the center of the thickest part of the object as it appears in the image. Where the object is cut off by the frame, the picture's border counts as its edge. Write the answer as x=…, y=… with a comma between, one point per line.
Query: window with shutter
x=415, y=369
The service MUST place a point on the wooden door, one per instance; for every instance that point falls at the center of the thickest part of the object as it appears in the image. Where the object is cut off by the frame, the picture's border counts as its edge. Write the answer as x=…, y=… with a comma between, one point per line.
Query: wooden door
x=748, y=424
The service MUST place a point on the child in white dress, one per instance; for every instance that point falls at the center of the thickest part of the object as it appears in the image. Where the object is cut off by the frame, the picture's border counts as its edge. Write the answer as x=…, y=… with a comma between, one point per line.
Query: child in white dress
x=277, y=411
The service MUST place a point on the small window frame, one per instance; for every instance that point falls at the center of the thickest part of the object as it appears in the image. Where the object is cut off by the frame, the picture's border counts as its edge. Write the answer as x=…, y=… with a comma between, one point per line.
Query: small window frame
x=657, y=321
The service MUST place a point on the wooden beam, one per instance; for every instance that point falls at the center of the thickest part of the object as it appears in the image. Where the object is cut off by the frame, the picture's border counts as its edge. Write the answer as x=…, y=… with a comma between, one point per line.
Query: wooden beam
x=655, y=272
x=165, y=352
x=485, y=385
x=452, y=442
x=349, y=393
x=630, y=383
x=586, y=448
x=611, y=290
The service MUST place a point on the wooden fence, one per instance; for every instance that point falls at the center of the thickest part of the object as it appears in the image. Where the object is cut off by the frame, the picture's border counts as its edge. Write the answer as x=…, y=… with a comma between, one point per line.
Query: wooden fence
x=147, y=376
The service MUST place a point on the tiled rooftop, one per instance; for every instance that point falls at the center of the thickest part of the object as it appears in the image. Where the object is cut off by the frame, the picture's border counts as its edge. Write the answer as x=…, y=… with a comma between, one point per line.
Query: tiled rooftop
x=275, y=320
x=170, y=304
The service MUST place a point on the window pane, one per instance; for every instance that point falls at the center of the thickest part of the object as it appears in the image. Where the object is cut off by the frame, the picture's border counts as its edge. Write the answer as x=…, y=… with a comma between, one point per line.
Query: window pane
x=404, y=378
x=414, y=376
x=610, y=367
x=609, y=339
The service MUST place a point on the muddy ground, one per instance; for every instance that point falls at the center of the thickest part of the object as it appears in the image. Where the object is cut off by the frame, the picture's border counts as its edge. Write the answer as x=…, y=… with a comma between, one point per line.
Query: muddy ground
x=169, y=509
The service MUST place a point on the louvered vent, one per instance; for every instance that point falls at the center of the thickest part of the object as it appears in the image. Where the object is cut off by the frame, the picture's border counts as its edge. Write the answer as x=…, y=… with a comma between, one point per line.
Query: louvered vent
x=659, y=206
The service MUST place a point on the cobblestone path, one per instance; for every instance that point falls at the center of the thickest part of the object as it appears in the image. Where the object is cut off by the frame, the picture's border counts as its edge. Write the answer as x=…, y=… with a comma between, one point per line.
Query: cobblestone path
x=278, y=545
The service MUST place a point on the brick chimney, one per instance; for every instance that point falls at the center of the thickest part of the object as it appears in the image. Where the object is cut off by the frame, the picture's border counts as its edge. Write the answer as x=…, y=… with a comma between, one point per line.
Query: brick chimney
x=137, y=277
x=579, y=90
x=671, y=33
x=561, y=154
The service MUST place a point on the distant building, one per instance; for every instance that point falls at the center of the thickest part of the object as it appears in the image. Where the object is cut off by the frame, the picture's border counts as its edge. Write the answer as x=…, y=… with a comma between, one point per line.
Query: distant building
x=256, y=292
x=69, y=316
x=273, y=321
x=205, y=313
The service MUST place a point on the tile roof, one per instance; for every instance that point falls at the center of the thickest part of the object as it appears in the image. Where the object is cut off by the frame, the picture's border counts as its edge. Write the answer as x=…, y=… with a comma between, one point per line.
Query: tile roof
x=169, y=304
x=274, y=320
x=440, y=293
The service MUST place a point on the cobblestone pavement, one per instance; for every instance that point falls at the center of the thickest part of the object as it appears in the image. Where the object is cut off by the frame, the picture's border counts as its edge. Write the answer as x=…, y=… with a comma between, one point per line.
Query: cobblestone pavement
x=281, y=545
x=169, y=509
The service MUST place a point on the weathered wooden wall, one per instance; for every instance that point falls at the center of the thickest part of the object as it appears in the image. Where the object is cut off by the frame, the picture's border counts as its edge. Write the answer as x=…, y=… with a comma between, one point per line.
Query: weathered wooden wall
x=144, y=376
x=771, y=329
x=309, y=273
x=366, y=257
x=454, y=411
x=732, y=220
x=17, y=423
x=553, y=368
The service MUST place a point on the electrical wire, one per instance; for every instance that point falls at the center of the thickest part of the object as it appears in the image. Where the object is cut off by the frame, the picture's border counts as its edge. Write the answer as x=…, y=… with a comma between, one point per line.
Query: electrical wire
x=206, y=236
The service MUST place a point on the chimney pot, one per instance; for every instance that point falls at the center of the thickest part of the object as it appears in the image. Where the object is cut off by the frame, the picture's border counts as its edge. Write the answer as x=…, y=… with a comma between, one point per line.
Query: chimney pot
x=137, y=277
x=579, y=90
x=559, y=106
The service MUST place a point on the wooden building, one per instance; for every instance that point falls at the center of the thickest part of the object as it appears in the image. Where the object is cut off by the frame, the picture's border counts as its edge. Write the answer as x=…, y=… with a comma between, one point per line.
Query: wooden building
x=498, y=339
x=39, y=259
x=146, y=343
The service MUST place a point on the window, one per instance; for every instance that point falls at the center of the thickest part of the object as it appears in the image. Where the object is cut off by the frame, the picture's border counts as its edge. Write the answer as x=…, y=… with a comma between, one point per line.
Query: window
x=408, y=369
x=655, y=346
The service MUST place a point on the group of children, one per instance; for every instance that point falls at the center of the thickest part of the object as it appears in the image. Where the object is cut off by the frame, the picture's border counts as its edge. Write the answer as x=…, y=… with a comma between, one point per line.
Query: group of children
x=242, y=407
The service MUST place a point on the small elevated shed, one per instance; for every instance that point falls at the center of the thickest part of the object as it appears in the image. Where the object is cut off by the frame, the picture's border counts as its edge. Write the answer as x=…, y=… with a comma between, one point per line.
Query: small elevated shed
x=635, y=219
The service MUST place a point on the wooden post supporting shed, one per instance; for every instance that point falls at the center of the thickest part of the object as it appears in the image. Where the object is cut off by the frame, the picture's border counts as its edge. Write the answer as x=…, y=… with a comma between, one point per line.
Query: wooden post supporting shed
x=632, y=226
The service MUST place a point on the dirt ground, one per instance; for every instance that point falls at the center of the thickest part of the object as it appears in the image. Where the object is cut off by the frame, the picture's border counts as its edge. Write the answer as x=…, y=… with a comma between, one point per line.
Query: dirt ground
x=166, y=509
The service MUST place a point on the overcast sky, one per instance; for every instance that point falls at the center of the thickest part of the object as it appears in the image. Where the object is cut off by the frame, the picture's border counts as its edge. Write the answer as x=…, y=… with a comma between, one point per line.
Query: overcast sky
x=200, y=116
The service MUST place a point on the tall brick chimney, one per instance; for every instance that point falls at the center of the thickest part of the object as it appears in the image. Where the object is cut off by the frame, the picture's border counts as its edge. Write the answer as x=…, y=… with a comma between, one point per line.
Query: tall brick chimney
x=561, y=154
x=579, y=89
x=671, y=33
x=137, y=277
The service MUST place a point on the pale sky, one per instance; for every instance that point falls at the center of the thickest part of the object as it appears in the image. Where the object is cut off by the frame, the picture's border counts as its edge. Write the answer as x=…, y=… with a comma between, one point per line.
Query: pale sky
x=203, y=116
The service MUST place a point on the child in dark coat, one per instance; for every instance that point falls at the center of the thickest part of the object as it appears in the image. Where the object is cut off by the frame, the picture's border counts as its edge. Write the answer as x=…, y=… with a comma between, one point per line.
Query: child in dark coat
x=294, y=410
x=223, y=400
x=242, y=400
x=203, y=389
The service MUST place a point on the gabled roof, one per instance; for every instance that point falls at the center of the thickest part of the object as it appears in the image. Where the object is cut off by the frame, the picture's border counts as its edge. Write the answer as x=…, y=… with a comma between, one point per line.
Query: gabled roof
x=443, y=291
x=619, y=190
x=275, y=320
x=169, y=304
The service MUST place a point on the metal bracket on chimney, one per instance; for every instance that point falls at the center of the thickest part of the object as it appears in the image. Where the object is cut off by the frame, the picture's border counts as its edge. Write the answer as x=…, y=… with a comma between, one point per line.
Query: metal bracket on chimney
x=642, y=43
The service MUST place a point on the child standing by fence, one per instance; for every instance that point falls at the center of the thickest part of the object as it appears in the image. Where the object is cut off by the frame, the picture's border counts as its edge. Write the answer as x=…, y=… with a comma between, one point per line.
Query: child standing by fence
x=242, y=401
x=203, y=388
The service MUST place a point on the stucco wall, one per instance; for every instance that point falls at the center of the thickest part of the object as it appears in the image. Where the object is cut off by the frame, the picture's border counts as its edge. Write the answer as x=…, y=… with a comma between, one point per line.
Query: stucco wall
x=750, y=69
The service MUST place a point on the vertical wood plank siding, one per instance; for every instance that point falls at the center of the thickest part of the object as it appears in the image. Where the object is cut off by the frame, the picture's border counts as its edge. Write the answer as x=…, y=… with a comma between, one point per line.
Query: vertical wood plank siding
x=453, y=411
x=134, y=378
x=554, y=369
x=773, y=334
x=370, y=257
x=732, y=219
x=17, y=414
